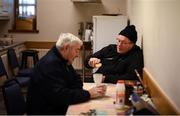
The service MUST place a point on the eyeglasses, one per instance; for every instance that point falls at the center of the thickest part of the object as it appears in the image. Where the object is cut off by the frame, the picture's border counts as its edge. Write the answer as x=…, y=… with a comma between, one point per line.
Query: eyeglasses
x=123, y=42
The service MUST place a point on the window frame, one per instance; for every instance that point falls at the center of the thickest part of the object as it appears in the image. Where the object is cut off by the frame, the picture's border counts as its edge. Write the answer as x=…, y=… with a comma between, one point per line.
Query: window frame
x=16, y=18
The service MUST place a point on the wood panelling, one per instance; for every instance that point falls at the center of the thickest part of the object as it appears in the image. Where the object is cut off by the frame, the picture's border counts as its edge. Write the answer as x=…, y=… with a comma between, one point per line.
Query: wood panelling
x=159, y=98
x=39, y=45
x=48, y=45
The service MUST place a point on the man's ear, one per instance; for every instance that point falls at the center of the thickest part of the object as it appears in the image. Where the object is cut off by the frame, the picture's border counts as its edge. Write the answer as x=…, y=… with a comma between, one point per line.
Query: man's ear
x=66, y=46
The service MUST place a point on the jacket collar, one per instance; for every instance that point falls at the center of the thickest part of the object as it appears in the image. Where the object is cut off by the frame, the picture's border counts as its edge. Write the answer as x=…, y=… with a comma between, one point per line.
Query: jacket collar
x=58, y=54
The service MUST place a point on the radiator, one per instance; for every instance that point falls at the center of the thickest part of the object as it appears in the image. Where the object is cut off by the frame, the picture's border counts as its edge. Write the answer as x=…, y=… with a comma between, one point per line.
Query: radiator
x=77, y=64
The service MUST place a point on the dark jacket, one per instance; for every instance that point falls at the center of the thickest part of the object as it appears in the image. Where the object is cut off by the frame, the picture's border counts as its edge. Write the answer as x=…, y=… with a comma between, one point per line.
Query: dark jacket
x=54, y=86
x=117, y=66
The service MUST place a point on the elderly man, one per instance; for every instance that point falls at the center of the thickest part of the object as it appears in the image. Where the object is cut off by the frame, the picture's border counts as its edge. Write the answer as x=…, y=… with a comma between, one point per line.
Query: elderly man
x=118, y=62
x=55, y=84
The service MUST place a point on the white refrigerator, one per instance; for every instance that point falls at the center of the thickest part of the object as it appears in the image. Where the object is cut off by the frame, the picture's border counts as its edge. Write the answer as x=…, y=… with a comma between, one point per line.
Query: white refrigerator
x=105, y=30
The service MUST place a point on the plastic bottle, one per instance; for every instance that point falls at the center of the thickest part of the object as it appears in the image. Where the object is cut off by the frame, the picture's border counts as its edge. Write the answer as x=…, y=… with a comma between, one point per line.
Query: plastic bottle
x=120, y=94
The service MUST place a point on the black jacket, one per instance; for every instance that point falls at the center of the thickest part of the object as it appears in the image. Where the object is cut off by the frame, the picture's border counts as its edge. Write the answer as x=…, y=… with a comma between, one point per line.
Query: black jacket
x=54, y=86
x=117, y=66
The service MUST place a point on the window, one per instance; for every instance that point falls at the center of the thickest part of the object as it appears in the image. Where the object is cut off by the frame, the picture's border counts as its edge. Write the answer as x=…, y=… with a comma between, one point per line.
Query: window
x=24, y=16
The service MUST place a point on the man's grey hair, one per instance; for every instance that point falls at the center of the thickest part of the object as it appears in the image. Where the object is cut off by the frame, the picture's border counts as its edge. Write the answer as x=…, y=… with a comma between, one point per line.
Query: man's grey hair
x=67, y=38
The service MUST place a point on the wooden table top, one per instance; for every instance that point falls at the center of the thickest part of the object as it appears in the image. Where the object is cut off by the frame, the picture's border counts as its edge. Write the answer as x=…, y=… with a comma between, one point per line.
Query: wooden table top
x=103, y=106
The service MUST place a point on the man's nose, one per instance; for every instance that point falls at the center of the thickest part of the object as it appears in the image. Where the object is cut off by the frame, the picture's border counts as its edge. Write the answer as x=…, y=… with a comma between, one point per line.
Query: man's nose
x=119, y=43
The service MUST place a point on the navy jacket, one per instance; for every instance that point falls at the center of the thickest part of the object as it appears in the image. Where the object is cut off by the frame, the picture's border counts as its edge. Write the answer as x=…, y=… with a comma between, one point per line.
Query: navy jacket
x=54, y=86
x=117, y=66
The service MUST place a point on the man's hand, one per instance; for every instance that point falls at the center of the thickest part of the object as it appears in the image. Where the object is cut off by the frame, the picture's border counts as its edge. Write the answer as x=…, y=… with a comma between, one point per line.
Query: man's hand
x=94, y=62
x=97, y=91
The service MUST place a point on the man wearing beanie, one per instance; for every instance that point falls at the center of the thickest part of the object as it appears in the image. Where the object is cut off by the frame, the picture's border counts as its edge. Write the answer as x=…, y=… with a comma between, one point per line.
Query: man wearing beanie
x=118, y=62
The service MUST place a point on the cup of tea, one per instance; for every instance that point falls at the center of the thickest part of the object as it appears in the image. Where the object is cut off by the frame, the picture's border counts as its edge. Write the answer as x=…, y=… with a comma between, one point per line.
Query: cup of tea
x=98, y=78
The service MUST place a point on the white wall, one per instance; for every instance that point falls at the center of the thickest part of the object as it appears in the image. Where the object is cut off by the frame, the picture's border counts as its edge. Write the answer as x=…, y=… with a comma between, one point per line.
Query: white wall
x=158, y=22
x=4, y=6
x=56, y=16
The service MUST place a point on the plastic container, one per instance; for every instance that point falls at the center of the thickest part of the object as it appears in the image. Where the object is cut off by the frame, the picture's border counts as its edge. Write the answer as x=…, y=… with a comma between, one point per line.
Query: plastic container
x=120, y=94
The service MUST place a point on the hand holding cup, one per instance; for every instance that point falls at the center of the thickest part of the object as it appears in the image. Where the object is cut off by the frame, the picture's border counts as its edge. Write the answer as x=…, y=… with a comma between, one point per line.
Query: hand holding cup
x=98, y=91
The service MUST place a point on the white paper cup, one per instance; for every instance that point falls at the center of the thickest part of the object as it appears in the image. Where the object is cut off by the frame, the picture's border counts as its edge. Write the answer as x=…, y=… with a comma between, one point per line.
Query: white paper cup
x=98, y=78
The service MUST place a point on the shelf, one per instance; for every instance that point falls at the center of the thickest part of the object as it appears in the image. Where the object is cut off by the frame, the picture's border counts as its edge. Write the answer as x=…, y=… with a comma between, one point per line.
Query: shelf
x=4, y=16
x=87, y=45
x=4, y=19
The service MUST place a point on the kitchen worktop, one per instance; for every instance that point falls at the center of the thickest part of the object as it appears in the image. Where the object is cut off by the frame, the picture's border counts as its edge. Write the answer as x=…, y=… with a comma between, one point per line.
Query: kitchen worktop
x=4, y=48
